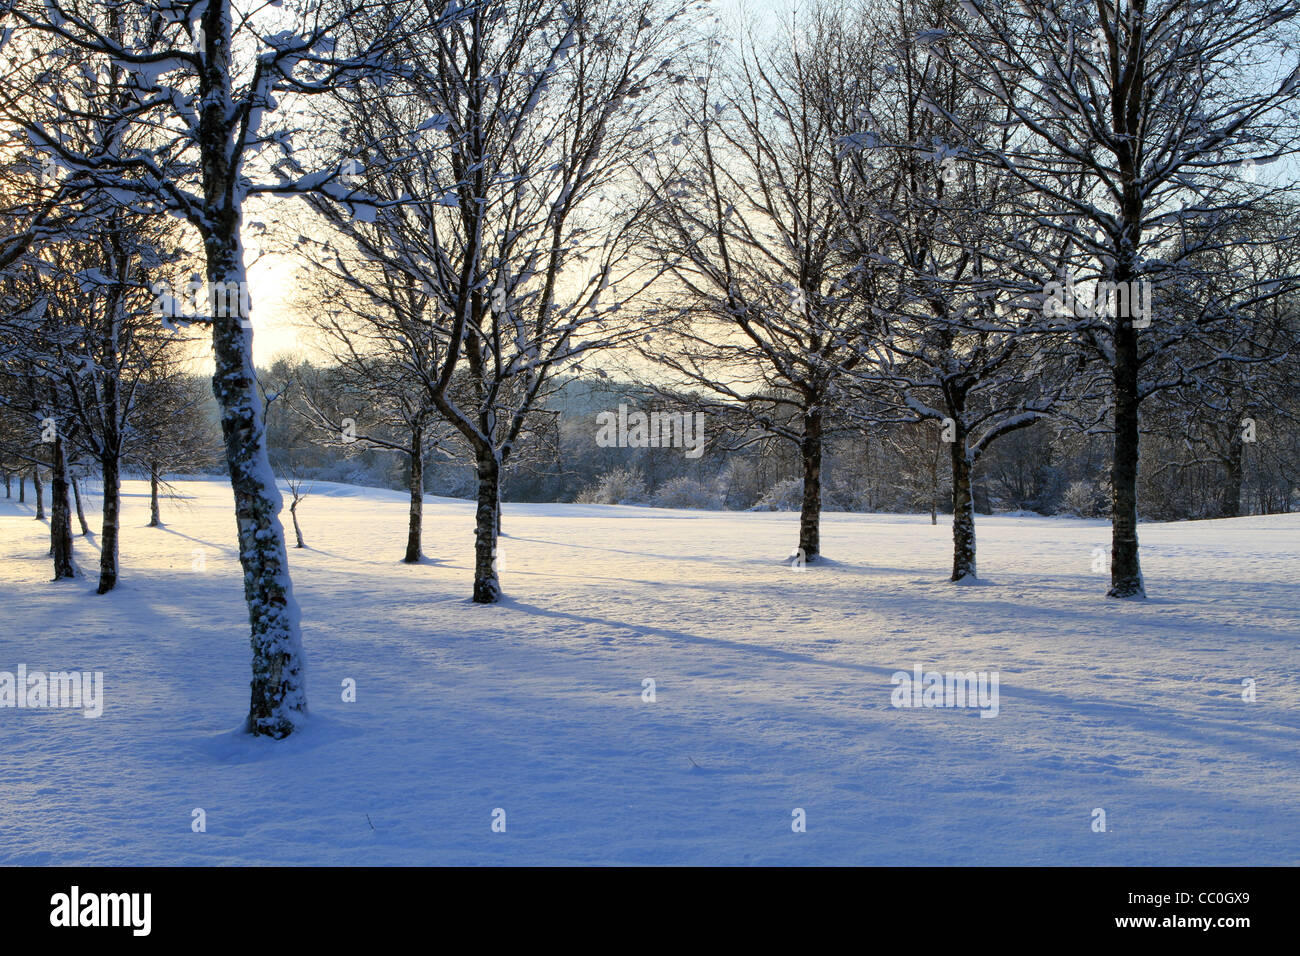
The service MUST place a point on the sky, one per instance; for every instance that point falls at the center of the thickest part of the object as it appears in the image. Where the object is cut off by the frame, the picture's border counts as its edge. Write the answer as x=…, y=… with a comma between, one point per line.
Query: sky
x=271, y=277
x=271, y=286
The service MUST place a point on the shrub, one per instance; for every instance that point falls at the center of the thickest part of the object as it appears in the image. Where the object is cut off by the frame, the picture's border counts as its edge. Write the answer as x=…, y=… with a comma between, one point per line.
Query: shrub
x=621, y=486
x=785, y=495
x=1082, y=498
x=686, y=492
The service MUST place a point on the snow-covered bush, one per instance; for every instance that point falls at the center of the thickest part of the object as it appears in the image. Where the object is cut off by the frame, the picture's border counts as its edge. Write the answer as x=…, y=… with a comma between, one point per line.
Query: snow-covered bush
x=685, y=492
x=1082, y=498
x=785, y=495
x=621, y=486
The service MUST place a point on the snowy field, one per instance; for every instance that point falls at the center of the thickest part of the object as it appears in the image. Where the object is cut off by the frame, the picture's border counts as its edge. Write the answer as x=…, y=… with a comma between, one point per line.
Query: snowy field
x=773, y=692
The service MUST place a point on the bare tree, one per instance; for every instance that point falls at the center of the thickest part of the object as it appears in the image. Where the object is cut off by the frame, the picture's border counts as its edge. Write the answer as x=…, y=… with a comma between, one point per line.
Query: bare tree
x=965, y=340
x=1131, y=127
x=499, y=252
x=189, y=87
x=374, y=349
x=765, y=314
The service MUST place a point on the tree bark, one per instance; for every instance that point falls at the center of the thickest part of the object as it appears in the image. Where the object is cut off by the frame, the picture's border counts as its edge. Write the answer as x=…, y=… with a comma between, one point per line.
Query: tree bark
x=416, y=486
x=963, y=507
x=110, y=464
x=1125, y=569
x=155, y=520
x=111, y=521
x=81, y=514
x=487, y=585
x=40, y=493
x=22, y=488
x=810, y=450
x=277, y=699
x=934, y=488
x=297, y=530
x=60, y=513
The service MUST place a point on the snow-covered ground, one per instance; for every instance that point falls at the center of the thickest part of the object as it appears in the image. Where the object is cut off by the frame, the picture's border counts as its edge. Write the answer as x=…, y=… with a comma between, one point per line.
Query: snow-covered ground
x=772, y=688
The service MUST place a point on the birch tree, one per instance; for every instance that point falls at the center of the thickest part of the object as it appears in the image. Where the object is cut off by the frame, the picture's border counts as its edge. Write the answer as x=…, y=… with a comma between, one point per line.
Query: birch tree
x=189, y=89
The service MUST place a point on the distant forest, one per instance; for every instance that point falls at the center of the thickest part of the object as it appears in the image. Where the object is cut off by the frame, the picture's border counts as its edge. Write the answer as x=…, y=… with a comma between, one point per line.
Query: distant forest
x=1189, y=470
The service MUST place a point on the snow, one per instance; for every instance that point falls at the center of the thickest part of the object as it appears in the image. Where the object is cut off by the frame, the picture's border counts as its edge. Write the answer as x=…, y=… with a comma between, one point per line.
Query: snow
x=773, y=692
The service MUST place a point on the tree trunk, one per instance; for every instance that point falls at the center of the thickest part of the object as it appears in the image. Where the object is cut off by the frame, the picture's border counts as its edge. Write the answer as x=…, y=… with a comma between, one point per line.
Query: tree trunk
x=416, y=486
x=154, y=518
x=40, y=493
x=1125, y=569
x=22, y=488
x=9, y=493
x=277, y=699
x=297, y=531
x=487, y=586
x=110, y=463
x=60, y=514
x=810, y=450
x=112, y=519
x=81, y=514
x=963, y=507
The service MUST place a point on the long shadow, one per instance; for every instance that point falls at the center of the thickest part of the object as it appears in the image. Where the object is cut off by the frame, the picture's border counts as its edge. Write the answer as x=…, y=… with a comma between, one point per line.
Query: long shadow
x=292, y=549
x=722, y=562
x=881, y=601
x=686, y=638
x=1145, y=718
x=190, y=537
x=678, y=556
